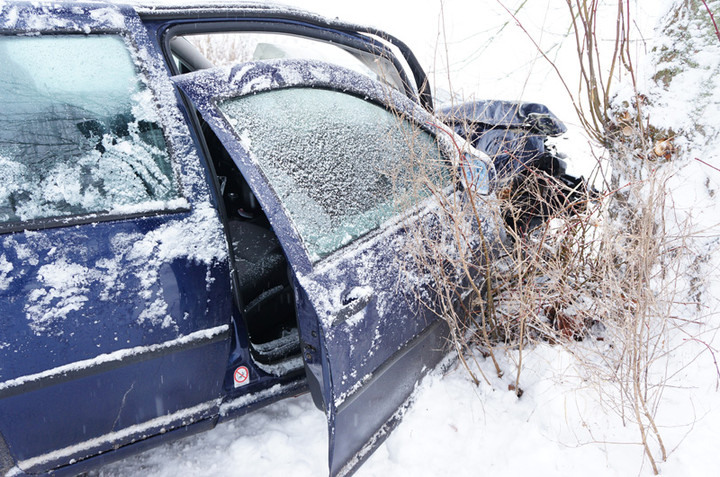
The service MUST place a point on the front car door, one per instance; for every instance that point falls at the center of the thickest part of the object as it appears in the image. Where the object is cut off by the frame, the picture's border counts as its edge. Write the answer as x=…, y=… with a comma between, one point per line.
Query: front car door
x=343, y=167
x=115, y=297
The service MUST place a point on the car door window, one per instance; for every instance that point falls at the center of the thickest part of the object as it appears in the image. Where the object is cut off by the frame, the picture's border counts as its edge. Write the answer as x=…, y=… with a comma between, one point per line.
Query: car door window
x=78, y=131
x=339, y=164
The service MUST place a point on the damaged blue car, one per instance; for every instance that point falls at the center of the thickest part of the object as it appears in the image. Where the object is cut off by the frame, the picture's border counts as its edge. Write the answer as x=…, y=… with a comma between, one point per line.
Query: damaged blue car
x=186, y=238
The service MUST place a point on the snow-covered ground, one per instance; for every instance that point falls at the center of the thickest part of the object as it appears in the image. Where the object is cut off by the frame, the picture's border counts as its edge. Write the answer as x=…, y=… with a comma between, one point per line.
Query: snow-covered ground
x=563, y=424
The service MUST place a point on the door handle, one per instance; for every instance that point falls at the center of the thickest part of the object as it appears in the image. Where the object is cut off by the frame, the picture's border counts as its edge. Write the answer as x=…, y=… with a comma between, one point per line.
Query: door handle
x=353, y=302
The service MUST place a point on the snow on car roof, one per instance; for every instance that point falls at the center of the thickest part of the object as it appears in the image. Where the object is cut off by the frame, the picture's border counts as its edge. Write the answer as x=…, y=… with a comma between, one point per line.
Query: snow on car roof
x=203, y=8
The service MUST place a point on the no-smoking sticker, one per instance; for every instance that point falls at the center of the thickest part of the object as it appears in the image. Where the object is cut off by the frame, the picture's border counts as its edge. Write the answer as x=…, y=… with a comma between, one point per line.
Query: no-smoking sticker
x=241, y=376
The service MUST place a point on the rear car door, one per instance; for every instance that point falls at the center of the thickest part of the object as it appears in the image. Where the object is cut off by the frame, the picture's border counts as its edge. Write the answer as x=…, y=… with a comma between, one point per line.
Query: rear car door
x=114, y=291
x=342, y=167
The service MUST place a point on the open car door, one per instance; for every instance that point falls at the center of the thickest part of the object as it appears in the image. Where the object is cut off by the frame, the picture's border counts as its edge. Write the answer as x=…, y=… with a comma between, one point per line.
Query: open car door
x=332, y=156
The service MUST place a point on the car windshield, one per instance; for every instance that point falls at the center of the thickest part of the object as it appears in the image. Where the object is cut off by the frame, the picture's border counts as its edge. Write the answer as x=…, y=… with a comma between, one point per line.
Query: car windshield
x=339, y=164
x=78, y=130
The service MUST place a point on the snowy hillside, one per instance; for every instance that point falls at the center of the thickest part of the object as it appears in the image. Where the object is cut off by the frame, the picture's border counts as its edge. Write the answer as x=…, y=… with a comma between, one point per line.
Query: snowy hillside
x=569, y=420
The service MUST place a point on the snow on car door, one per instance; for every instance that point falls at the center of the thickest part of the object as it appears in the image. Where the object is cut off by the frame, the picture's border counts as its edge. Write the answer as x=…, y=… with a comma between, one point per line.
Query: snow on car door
x=333, y=167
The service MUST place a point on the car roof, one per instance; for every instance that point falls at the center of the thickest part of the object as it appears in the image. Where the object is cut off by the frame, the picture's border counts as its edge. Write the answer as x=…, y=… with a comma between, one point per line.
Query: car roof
x=200, y=9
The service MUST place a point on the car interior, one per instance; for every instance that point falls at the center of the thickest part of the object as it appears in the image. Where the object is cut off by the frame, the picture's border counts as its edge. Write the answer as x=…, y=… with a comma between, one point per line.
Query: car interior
x=263, y=292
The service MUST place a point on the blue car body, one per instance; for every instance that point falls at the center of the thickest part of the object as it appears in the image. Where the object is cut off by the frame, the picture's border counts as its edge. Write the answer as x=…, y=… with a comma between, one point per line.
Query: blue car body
x=175, y=287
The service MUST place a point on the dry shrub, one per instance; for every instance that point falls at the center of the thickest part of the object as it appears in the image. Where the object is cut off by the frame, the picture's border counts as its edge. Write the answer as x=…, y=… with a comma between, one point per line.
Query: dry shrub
x=224, y=48
x=597, y=269
x=600, y=268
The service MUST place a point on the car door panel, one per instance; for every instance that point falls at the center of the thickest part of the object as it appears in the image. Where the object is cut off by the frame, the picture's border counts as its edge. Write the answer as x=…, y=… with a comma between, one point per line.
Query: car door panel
x=376, y=356
x=364, y=419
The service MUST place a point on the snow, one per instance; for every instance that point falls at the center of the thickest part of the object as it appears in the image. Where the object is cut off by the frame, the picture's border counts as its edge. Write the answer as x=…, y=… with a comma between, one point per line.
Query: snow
x=108, y=16
x=65, y=285
x=565, y=422
x=5, y=269
x=283, y=367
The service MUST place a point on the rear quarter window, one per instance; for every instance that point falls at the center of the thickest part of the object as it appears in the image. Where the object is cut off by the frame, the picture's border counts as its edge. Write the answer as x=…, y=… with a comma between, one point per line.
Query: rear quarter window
x=79, y=133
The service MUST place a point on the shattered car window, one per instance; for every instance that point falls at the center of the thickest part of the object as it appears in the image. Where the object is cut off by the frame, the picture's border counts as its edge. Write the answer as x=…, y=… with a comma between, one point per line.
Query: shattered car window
x=78, y=130
x=340, y=165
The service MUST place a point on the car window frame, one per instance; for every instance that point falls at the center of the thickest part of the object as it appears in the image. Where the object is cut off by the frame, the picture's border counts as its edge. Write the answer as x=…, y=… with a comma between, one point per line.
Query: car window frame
x=352, y=40
x=96, y=217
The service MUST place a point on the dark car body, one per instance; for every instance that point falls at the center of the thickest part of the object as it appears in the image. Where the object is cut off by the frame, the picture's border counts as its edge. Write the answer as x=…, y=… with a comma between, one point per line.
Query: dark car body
x=155, y=275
